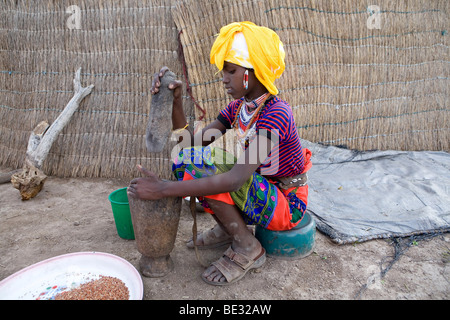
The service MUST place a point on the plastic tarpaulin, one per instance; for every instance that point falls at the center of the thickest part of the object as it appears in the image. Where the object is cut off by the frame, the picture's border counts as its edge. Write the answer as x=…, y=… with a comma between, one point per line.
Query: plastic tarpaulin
x=356, y=196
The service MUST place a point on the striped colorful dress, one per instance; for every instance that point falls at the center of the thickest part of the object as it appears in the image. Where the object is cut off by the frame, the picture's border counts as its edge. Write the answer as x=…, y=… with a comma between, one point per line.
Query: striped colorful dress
x=260, y=200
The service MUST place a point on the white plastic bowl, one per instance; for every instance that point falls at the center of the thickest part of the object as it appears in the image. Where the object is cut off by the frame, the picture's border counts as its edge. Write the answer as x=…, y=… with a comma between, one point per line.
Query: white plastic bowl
x=47, y=278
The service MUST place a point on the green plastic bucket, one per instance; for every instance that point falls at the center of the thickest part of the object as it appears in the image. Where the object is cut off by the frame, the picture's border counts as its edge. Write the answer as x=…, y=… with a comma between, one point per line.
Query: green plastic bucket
x=121, y=212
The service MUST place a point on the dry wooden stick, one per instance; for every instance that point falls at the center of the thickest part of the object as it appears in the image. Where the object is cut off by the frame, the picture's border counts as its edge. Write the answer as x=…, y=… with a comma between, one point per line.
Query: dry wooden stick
x=31, y=179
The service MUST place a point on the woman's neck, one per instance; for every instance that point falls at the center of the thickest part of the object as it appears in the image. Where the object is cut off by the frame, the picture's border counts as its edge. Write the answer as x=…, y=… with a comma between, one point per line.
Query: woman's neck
x=257, y=92
x=253, y=104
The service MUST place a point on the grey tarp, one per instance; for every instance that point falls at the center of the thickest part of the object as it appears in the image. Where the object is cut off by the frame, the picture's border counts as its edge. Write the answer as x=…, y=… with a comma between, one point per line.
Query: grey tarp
x=356, y=196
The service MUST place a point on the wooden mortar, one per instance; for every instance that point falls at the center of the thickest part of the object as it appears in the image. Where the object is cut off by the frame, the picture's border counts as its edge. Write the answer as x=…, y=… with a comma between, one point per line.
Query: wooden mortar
x=155, y=224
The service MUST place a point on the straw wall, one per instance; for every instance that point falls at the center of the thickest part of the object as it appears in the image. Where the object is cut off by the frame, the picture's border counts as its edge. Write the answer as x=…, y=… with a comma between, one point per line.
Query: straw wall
x=350, y=85
x=119, y=45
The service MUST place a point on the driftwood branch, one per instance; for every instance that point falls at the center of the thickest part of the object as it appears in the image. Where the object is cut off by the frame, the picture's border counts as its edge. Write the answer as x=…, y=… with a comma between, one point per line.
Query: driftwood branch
x=31, y=179
x=46, y=136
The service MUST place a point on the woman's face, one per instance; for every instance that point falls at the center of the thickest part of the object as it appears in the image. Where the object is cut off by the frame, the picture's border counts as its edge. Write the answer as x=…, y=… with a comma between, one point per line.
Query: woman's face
x=233, y=77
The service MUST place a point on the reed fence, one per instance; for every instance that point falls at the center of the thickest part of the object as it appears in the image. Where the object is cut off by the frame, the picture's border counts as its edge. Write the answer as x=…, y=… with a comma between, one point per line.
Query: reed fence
x=382, y=85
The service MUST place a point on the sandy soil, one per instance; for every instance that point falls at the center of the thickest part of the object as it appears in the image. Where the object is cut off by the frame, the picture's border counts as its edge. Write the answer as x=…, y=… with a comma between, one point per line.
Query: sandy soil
x=72, y=215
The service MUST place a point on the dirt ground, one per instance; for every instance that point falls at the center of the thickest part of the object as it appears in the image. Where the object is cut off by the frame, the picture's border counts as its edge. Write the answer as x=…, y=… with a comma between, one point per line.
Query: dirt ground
x=72, y=215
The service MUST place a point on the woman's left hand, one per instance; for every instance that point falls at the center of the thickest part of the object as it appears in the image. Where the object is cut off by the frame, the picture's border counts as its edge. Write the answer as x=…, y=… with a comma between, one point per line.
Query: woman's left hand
x=146, y=188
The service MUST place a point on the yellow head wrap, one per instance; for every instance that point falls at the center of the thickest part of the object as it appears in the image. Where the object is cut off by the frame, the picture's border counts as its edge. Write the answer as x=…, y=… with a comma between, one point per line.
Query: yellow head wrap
x=260, y=48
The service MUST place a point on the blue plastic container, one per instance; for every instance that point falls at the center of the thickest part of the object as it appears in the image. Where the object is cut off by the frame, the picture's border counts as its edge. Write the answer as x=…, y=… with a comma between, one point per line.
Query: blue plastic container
x=292, y=244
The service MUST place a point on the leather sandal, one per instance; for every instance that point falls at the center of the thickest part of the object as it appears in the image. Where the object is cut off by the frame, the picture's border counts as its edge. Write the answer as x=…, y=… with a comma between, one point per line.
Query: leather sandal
x=234, y=265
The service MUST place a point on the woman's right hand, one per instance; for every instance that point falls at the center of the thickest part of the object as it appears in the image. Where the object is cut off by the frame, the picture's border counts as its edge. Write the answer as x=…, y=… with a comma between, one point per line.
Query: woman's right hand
x=176, y=85
x=146, y=188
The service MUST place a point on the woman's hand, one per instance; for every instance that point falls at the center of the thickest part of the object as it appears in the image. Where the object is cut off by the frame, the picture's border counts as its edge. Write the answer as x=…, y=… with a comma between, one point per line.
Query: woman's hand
x=146, y=188
x=176, y=85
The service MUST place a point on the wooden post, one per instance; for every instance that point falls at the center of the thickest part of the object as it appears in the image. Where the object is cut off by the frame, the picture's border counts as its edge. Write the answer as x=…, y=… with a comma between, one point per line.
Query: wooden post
x=30, y=180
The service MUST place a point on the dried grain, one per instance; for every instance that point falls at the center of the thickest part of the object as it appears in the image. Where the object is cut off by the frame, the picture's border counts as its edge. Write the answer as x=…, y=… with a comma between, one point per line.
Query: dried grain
x=104, y=288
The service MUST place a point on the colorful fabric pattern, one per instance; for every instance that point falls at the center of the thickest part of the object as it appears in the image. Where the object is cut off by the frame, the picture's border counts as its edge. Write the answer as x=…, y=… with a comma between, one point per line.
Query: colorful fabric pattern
x=259, y=200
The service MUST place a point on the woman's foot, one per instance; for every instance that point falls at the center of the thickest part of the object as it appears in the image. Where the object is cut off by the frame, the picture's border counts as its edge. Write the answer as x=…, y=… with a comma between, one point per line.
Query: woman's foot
x=232, y=266
x=245, y=252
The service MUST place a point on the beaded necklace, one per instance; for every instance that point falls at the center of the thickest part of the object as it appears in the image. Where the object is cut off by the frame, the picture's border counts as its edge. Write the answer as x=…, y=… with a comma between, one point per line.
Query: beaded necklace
x=249, y=123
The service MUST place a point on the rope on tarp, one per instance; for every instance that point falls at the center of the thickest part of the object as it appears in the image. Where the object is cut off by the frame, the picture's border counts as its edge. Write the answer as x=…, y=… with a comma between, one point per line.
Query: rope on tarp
x=401, y=245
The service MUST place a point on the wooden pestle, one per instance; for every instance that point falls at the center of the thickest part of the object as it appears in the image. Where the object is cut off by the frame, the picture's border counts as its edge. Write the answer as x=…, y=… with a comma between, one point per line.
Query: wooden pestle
x=159, y=125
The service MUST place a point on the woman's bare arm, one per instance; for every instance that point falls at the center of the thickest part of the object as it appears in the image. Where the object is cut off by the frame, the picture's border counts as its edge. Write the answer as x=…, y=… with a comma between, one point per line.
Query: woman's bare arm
x=152, y=188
